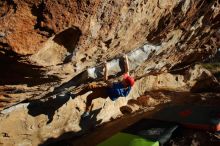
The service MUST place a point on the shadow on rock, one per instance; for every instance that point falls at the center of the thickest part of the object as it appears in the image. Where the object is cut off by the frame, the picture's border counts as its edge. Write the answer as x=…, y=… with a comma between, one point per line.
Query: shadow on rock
x=48, y=107
x=16, y=73
x=89, y=122
x=69, y=39
x=87, y=125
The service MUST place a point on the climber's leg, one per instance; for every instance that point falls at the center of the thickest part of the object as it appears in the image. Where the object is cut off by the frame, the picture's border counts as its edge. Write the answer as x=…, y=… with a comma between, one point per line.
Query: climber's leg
x=100, y=92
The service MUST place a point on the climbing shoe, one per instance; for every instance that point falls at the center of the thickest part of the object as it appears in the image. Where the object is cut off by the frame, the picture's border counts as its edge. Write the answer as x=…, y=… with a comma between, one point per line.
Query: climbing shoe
x=85, y=114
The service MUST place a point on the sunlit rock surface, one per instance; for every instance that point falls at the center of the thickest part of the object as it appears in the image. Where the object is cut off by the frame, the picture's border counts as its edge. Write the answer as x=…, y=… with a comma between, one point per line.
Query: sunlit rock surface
x=37, y=121
x=49, y=46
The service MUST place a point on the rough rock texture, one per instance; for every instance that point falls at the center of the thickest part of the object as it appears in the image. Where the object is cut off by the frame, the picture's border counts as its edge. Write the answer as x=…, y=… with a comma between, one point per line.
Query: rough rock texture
x=48, y=45
x=29, y=123
x=63, y=38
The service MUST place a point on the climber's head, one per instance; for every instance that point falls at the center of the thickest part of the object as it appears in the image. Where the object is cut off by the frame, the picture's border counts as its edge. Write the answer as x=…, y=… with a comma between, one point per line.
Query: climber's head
x=128, y=80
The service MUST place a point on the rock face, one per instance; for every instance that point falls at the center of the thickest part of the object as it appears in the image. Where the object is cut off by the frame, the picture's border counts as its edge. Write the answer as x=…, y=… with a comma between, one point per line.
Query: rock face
x=39, y=122
x=49, y=45
x=63, y=38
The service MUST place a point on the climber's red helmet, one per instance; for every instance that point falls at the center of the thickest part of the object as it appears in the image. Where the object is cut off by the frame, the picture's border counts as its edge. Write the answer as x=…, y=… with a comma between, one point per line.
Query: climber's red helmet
x=128, y=80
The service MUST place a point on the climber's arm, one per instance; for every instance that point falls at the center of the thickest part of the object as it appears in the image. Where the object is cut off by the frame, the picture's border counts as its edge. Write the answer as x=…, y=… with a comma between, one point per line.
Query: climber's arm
x=126, y=64
x=106, y=72
x=106, y=76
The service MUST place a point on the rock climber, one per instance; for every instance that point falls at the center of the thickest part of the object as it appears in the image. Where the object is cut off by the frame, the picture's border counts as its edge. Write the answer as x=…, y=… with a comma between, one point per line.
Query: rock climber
x=111, y=90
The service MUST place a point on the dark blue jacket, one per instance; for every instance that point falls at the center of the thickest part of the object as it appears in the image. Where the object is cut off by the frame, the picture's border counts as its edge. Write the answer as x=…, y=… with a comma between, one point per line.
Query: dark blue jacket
x=118, y=90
